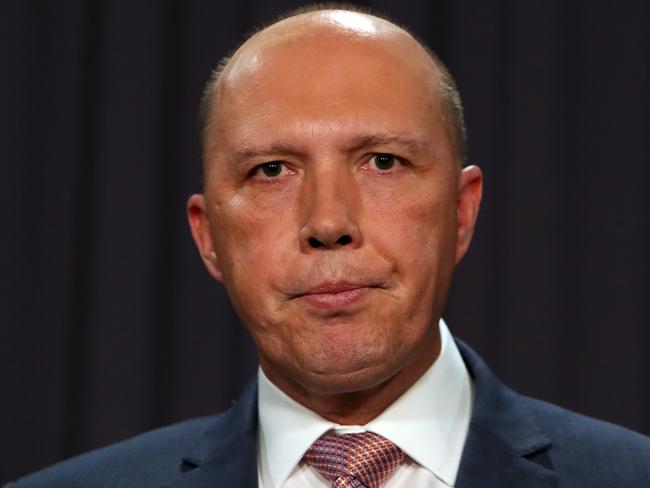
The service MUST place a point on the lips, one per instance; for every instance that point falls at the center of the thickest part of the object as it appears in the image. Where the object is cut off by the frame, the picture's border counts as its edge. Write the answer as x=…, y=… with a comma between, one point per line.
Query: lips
x=336, y=295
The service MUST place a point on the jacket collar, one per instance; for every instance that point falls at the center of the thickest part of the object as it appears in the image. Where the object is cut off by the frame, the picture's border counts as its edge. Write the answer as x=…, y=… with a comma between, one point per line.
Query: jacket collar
x=505, y=447
x=226, y=454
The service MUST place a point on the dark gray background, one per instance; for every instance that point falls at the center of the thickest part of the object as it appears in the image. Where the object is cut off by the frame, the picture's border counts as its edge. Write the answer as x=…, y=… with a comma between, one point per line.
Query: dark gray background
x=109, y=324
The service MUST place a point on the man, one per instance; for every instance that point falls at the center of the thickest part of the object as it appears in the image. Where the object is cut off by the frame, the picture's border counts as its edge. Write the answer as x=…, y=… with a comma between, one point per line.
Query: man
x=334, y=211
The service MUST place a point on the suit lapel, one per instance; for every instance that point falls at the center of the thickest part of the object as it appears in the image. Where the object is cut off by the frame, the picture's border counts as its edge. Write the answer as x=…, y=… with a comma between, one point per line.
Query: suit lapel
x=226, y=455
x=488, y=463
x=505, y=447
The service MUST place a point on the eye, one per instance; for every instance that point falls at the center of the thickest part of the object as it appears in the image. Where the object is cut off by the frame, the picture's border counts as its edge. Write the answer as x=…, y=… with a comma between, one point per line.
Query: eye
x=272, y=169
x=384, y=162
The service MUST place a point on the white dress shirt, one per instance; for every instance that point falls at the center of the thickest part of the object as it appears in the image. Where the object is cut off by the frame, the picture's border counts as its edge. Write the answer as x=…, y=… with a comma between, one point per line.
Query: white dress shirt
x=429, y=422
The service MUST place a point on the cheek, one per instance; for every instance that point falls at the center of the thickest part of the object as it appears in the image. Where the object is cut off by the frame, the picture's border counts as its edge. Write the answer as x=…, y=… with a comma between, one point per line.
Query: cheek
x=253, y=238
x=417, y=234
x=413, y=226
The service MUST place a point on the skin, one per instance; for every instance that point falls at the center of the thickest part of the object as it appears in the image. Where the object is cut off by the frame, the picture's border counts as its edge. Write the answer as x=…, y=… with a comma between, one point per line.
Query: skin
x=337, y=261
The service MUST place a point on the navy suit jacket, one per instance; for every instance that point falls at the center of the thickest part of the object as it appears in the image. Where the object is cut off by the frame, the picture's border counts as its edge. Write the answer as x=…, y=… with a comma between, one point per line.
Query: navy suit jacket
x=513, y=441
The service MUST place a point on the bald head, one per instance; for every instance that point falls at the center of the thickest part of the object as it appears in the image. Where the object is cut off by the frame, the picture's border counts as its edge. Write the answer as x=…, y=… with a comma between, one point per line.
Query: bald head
x=322, y=32
x=314, y=45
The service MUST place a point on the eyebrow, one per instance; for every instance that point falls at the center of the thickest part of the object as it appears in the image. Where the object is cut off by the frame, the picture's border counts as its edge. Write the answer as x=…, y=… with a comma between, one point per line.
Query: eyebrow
x=247, y=153
x=381, y=139
x=355, y=144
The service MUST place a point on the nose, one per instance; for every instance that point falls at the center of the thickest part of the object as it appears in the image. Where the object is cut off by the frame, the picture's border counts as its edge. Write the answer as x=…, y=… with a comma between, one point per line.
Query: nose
x=332, y=207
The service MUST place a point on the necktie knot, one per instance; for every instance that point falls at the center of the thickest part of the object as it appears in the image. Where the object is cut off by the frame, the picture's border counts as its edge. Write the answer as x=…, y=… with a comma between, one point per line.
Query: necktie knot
x=362, y=460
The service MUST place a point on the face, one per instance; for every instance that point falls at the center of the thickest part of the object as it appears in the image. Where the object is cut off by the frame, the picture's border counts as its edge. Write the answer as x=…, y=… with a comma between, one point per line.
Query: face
x=334, y=209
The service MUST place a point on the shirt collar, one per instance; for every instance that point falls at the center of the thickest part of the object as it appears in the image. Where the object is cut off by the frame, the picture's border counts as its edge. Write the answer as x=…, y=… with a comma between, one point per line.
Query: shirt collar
x=429, y=422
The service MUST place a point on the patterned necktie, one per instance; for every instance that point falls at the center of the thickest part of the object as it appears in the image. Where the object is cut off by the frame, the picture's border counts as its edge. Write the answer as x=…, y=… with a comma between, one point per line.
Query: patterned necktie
x=362, y=460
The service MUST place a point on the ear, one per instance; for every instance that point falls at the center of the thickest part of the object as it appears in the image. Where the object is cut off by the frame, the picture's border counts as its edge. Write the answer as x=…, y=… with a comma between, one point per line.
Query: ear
x=470, y=190
x=197, y=216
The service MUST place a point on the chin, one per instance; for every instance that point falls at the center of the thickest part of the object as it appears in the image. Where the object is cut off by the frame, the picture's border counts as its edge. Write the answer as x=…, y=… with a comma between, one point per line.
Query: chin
x=346, y=377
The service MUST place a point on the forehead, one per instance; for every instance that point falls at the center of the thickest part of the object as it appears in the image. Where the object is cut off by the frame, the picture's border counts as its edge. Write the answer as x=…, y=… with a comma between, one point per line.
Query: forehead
x=326, y=78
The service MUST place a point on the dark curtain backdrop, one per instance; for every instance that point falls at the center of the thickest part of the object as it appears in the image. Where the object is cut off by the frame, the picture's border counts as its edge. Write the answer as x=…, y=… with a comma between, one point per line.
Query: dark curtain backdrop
x=109, y=324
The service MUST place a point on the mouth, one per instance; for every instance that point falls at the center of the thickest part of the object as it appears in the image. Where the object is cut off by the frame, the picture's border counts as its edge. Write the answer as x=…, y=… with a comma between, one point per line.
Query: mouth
x=336, y=295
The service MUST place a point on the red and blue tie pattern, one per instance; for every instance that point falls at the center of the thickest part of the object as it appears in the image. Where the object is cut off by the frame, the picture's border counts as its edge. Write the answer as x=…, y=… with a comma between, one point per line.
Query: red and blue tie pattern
x=361, y=460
